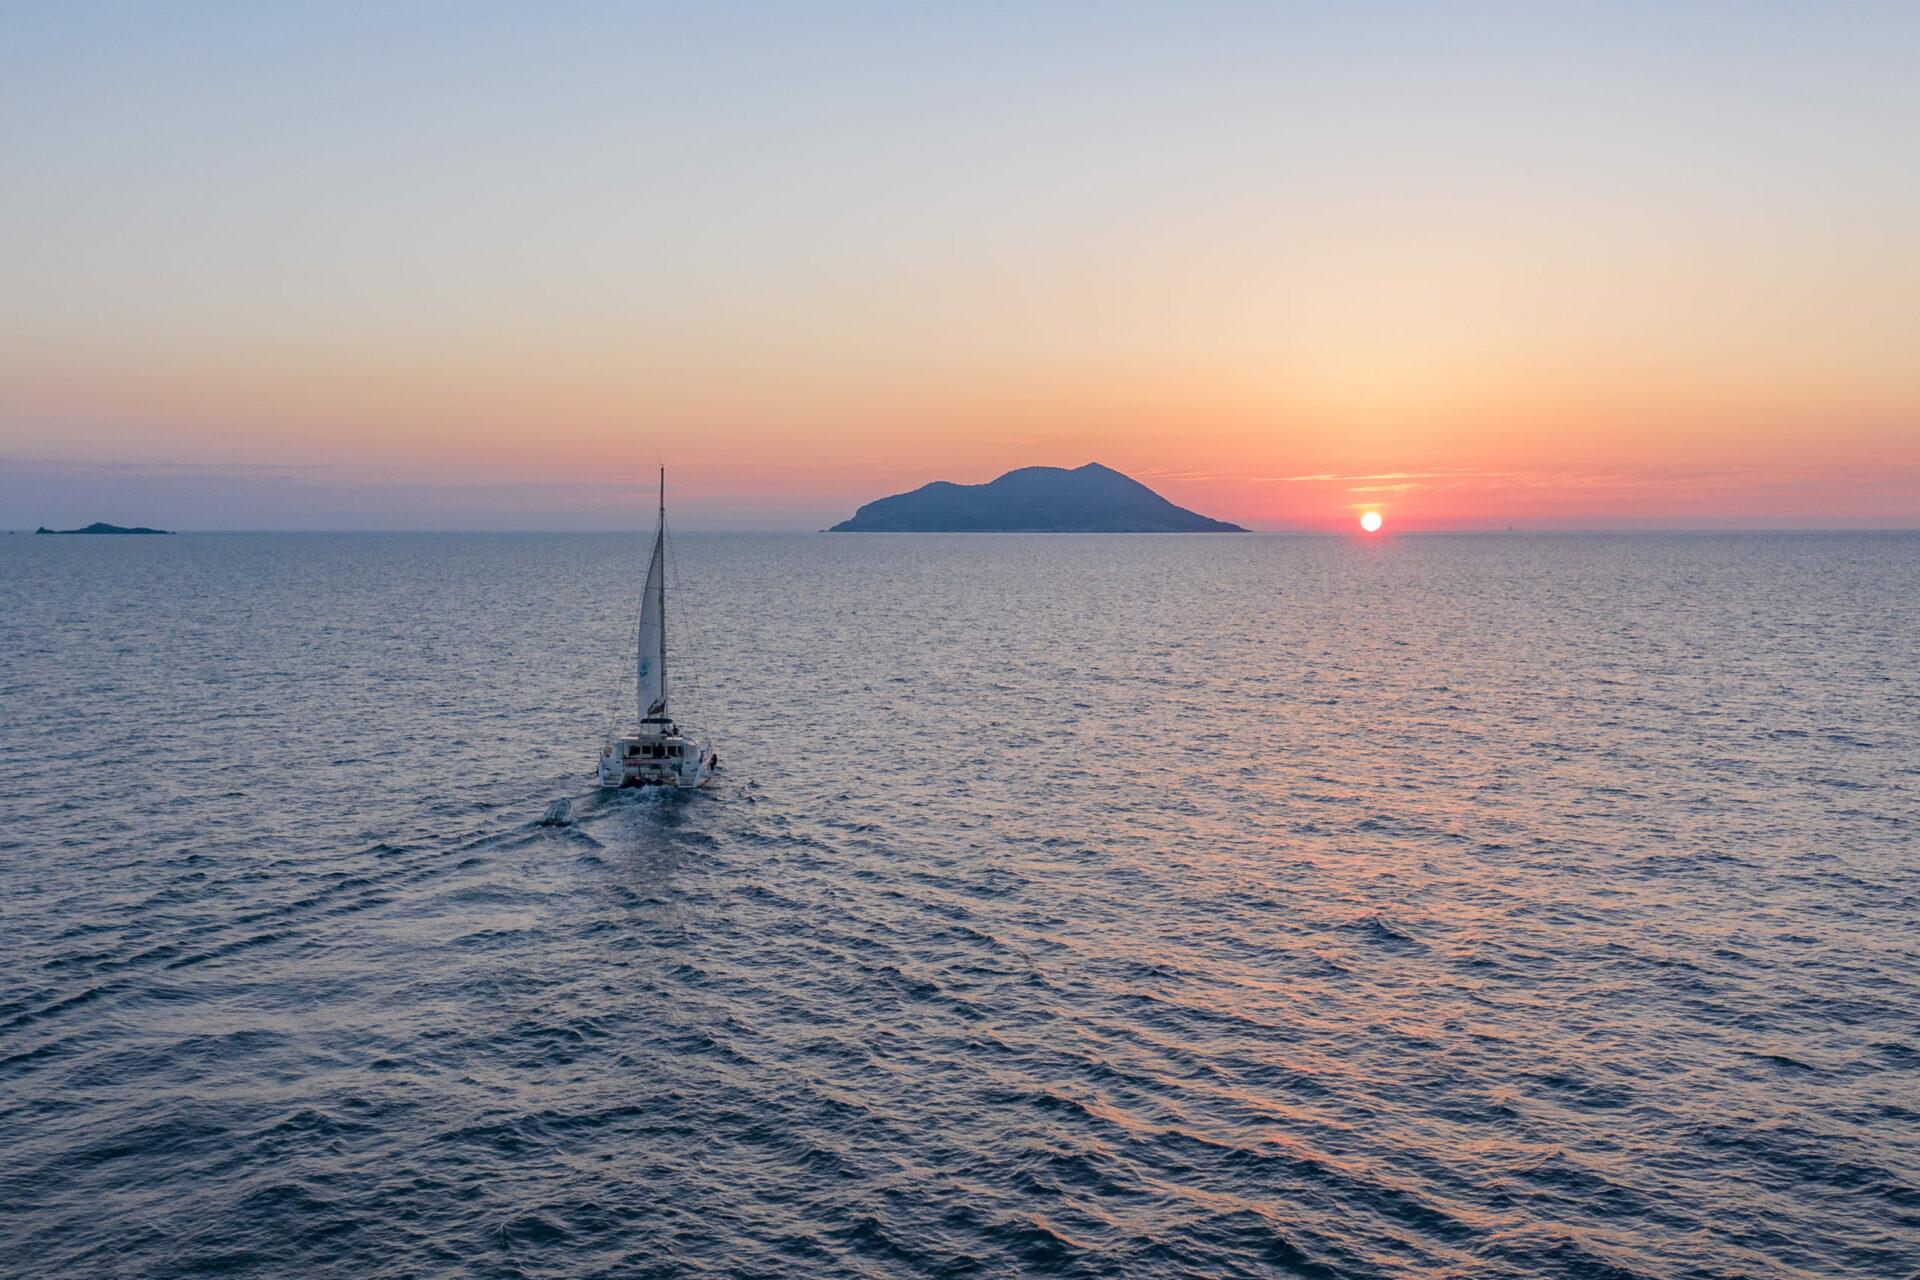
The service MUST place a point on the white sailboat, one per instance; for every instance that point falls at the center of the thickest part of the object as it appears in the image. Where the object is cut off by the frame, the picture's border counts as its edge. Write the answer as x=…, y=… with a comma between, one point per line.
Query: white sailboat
x=656, y=754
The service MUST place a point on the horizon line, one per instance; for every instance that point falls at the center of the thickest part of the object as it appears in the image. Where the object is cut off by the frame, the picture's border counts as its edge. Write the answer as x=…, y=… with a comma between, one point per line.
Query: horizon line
x=1176, y=533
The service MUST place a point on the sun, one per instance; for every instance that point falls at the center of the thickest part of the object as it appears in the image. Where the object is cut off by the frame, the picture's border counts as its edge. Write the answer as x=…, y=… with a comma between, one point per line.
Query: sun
x=1370, y=522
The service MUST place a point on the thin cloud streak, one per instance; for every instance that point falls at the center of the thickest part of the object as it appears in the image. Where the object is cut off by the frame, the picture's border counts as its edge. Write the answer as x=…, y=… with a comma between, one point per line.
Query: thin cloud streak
x=1379, y=475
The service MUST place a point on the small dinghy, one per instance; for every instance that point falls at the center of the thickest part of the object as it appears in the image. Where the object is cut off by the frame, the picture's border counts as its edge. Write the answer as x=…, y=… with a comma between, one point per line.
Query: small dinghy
x=656, y=754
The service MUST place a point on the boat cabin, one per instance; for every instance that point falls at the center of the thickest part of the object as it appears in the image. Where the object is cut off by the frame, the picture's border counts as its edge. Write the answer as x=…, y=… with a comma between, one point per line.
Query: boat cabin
x=656, y=756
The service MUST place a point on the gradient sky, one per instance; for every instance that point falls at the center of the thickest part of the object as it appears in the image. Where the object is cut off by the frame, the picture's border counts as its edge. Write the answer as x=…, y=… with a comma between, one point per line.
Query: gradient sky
x=470, y=266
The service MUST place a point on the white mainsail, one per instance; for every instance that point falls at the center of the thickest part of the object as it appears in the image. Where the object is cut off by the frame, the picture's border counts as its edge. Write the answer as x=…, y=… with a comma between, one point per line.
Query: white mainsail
x=651, y=678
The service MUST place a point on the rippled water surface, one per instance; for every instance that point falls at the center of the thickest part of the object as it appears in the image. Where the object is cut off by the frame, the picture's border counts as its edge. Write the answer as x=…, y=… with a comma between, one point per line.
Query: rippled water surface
x=1135, y=906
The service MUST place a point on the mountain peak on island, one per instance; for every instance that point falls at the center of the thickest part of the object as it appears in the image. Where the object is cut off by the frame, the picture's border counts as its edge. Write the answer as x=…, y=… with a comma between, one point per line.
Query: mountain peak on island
x=1089, y=499
x=101, y=526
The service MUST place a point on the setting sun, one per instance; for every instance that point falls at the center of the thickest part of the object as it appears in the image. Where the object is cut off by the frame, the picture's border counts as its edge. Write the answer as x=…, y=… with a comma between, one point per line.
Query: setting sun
x=1370, y=522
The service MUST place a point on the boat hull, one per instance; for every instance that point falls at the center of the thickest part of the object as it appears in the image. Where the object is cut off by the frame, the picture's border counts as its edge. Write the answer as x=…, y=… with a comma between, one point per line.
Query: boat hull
x=610, y=783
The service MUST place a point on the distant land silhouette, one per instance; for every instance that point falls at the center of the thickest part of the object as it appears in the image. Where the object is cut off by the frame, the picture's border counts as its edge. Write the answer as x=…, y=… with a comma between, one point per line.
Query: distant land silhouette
x=101, y=526
x=1089, y=499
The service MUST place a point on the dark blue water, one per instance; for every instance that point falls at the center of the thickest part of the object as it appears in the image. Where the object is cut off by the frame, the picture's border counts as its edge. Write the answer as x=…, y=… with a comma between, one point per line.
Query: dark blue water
x=1507, y=906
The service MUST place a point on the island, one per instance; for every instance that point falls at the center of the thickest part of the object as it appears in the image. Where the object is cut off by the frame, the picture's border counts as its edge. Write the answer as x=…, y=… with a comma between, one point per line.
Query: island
x=101, y=526
x=1089, y=499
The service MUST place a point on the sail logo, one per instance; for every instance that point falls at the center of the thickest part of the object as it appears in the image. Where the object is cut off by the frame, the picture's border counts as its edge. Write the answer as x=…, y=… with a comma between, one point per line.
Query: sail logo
x=646, y=665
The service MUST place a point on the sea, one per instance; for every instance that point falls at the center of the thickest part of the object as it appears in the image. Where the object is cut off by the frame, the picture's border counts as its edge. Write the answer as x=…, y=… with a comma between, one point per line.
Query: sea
x=1139, y=906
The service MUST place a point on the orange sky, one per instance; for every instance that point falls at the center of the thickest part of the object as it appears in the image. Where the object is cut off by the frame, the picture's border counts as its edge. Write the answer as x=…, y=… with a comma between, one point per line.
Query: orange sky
x=1557, y=269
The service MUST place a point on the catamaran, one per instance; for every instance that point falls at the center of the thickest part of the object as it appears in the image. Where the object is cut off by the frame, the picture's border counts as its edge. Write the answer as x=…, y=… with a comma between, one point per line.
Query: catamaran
x=656, y=754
